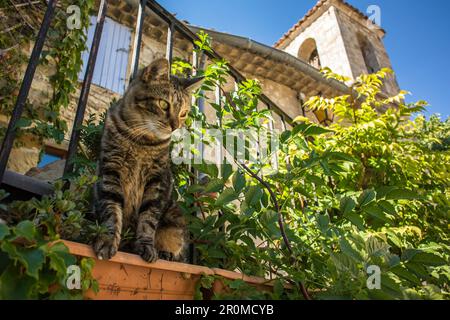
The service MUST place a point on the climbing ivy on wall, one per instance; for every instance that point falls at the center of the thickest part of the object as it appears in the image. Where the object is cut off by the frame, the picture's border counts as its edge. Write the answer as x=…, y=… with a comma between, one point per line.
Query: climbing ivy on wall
x=62, y=55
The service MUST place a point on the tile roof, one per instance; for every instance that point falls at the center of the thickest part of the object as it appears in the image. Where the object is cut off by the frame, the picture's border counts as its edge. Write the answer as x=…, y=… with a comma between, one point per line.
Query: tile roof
x=313, y=10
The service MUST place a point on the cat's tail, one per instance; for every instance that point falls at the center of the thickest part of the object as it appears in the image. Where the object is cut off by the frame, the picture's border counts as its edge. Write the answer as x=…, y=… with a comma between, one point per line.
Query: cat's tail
x=170, y=238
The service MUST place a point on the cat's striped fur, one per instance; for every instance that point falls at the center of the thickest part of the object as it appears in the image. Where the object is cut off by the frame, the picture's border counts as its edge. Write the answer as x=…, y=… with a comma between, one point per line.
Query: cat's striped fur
x=135, y=180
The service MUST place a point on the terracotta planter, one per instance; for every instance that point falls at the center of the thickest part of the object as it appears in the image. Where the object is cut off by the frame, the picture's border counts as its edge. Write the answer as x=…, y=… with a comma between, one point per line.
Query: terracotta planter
x=128, y=277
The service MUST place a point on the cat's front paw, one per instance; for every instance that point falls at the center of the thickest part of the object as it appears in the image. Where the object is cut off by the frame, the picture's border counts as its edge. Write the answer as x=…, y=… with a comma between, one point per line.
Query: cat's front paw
x=168, y=256
x=106, y=247
x=147, y=251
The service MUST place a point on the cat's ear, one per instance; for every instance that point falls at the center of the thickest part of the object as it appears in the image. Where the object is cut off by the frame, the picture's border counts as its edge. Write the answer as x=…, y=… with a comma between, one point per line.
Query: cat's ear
x=157, y=71
x=191, y=84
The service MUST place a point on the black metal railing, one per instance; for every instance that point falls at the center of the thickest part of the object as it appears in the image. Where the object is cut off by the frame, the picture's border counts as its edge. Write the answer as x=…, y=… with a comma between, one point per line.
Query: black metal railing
x=173, y=25
x=10, y=135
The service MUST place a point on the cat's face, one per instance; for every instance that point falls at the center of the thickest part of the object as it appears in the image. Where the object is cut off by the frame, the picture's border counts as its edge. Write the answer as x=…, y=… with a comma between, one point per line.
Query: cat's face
x=158, y=102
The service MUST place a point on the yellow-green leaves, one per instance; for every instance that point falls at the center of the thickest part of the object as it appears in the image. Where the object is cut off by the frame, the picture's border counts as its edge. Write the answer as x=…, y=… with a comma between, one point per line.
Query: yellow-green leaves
x=203, y=43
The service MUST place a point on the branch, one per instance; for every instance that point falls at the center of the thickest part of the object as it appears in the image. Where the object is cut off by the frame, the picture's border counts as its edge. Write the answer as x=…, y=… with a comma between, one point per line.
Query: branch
x=21, y=15
x=11, y=28
x=2, y=52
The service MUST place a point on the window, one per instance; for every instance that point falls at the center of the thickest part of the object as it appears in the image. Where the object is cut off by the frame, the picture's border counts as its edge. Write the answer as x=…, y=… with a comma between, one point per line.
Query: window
x=112, y=60
x=314, y=59
x=51, y=155
x=308, y=52
x=368, y=52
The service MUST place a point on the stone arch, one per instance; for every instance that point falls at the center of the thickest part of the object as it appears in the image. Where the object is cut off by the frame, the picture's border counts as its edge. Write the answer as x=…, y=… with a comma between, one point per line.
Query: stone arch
x=369, y=54
x=308, y=52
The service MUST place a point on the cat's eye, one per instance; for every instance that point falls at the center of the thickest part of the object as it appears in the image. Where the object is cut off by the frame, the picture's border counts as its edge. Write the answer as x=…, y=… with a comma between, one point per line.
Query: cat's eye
x=163, y=104
x=183, y=114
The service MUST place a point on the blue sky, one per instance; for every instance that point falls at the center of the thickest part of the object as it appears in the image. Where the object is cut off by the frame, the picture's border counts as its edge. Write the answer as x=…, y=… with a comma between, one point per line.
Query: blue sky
x=417, y=40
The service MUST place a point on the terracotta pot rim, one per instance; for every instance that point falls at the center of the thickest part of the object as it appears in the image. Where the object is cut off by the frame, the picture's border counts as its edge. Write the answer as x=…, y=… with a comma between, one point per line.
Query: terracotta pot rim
x=84, y=250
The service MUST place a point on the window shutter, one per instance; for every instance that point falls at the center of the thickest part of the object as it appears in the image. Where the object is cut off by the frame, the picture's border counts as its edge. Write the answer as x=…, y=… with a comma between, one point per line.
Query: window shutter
x=112, y=60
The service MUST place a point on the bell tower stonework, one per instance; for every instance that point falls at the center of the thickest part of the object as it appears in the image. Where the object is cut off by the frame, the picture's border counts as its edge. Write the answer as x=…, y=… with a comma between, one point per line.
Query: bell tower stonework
x=334, y=34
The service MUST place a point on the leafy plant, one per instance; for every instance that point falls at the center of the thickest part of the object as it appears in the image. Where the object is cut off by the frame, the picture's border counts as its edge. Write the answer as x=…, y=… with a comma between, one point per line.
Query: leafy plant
x=33, y=265
x=372, y=189
x=61, y=55
x=369, y=192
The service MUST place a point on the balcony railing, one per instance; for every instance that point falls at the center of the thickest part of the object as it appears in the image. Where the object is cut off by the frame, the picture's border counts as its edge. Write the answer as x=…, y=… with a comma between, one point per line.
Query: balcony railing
x=173, y=25
x=24, y=187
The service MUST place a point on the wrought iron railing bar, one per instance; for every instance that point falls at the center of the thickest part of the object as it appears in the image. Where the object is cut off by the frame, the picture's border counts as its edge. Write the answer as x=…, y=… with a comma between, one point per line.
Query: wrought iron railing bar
x=169, y=46
x=219, y=151
x=201, y=108
x=275, y=160
x=84, y=95
x=186, y=32
x=284, y=127
x=138, y=39
x=11, y=131
x=191, y=247
x=283, y=123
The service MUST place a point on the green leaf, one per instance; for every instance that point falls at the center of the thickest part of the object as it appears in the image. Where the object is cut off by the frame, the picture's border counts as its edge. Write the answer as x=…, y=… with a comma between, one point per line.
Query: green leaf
x=392, y=237
x=32, y=259
x=404, y=273
x=238, y=181
x=377, y=213
x=387, y=207
x=310, y=130
x=428, y=259
x=60, y=249
x=376, y=247
x=57, y=263
x=402, y=194
x=210, y=169
x=349, y=250
x=341, y=156
x=253, y=195
x=227, y=196
x=227, y=170
x=195, y=188
x=344, y=263
x=323, y=220
x=418, y=269
x=384, y=190
x=237, y=284
x=23, y=123
x=366, y=197
x=215, y=185
x=25, y=229
x=16, y=286
x=347, y=205
x=314, y=130
x=389, y=286
x=216, y=253
x=356, y=220
x=4, y=231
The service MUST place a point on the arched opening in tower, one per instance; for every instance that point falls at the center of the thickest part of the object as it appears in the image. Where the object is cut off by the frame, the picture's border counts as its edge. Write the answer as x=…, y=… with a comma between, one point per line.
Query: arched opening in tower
x=369, y=54
x=308, y=52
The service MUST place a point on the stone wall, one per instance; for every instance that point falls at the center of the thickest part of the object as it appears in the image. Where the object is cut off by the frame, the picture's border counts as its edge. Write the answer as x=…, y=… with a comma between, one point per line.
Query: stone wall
x=24, y=158
x=351, y=30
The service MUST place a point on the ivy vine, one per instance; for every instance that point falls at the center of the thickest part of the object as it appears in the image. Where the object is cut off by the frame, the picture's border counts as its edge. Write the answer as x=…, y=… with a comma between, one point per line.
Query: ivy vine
x=63, y=49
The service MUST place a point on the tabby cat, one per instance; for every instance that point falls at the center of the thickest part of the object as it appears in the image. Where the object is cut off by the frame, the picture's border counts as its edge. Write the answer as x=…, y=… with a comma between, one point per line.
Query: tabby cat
x=135, y=184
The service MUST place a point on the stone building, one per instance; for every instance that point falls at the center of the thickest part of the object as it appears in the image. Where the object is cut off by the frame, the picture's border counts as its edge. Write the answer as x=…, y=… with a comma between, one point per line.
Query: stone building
x=332, y=34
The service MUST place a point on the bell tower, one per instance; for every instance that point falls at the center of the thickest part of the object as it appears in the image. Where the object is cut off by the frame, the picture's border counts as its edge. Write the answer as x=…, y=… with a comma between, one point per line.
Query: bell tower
x=334, y=34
